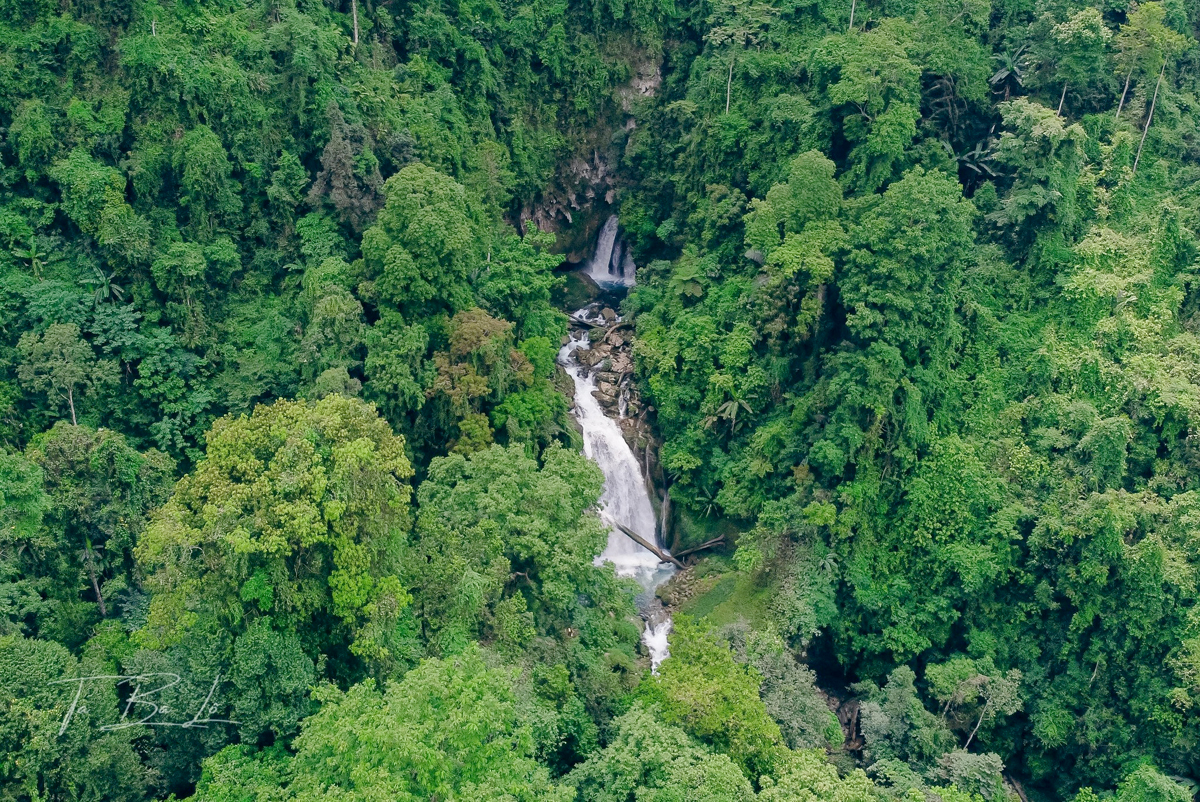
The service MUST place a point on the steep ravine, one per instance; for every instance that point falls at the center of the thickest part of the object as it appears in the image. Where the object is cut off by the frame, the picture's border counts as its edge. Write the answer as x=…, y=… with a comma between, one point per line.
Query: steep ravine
x=604, y=396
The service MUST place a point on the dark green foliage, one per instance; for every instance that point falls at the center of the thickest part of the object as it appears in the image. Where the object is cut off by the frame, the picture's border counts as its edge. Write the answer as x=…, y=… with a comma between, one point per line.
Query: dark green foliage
x=916, y=313
x=788, y=689
x=77, y=504
x=933, y=415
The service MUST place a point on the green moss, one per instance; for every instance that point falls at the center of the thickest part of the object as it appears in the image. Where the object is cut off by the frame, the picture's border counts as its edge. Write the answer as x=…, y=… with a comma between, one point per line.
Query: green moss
x=691, y=529
x=733, y=596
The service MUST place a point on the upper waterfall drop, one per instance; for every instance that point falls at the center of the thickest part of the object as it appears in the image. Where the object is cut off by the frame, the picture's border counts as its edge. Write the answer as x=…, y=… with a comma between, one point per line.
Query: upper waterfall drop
x=611, y=264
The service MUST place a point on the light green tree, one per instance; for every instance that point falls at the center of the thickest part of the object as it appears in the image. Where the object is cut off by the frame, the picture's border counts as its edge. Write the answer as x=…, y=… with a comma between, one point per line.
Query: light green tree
x=734, y=26
x=54, y=748
x=806, y=776
x=712, y=697
x=61, y=364
x=450, y=729
x=1147, y=784
x=300, y=512
x=974, y=690
x=649, y=760
x=1080, y=49
x=1143, y=43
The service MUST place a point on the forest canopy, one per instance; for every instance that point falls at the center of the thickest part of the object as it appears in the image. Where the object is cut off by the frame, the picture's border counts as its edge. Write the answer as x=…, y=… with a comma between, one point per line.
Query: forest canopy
x=916, y=332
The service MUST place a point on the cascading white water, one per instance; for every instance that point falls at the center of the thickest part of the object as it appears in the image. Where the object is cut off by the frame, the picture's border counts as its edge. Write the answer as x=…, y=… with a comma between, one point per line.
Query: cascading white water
x=624, y=499
x=612, y=263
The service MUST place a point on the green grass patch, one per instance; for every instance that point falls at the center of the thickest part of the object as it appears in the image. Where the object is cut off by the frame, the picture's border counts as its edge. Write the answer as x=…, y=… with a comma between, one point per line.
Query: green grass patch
x=733, y=596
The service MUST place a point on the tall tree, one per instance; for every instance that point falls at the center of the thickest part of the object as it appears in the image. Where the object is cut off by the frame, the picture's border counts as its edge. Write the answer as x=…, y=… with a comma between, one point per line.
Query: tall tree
x=299, y=513
x=1143, y=43
x=421, y=251
x=736, y=25
x=61, y=364
x=349, y=178
x=703, y=690
x=100, y=492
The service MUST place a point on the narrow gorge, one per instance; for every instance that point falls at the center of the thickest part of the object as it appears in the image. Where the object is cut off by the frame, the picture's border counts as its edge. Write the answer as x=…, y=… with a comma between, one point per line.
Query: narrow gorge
x=602, y=373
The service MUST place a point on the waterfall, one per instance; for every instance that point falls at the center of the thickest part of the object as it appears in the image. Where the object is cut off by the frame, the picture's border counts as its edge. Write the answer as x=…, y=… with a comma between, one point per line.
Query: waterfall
x=611, y=263
x=624, y=499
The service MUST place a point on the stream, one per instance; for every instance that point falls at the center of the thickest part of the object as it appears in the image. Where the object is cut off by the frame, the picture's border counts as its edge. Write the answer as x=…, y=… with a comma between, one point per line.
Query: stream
x=625, y=498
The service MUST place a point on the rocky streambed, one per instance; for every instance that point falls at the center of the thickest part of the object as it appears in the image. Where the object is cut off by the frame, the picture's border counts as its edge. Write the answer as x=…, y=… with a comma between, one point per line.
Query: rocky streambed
x=608, y=360
x=597, y=356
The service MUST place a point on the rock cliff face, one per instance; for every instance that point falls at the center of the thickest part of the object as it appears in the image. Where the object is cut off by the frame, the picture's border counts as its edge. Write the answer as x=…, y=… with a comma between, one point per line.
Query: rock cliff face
x=584, y=189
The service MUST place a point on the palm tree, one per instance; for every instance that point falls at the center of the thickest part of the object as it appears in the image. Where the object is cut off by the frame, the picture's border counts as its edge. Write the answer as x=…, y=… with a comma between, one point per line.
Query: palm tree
x=976, y=160
x=105, y=290
x=35, y=258
x=729, y=412
x=1010, y=77
x=708, y=498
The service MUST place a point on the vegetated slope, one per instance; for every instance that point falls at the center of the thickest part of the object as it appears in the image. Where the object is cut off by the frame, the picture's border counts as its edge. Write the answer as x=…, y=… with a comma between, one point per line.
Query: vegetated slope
x=916, y=313
x=958, y=429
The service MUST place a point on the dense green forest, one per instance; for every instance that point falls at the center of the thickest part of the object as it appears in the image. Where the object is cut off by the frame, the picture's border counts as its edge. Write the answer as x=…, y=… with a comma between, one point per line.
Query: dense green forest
x=289, y=476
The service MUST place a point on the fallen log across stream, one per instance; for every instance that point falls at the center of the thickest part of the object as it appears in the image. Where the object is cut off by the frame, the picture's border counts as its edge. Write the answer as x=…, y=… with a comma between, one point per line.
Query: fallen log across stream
x=646, y=544
x=708, y=544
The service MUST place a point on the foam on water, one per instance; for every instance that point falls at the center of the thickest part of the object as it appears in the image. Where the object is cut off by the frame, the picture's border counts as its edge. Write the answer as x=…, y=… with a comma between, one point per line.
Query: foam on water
x=625, y=498
x=611, y=263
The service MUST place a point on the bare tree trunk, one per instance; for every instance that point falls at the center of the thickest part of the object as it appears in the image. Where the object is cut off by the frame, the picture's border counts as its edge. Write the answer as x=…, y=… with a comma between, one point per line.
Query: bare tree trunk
x=71, y=403
x=647, y=545
x=354, y=12
x=708, y=544
x=853, y=5
x=1062, y=100
x=664, y=526
x=729, y=83
x=91, y=569
x=1149, y=117
x=1124, y=92
x=982, y=713
x=1016, y=787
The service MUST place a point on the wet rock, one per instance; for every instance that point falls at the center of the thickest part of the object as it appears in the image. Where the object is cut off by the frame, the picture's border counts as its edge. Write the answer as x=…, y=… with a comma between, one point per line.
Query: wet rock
x=606, y=393
x=609, y=315
x=622, y=363
x=608, y=377
x=589, y=357
x=577, y=291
